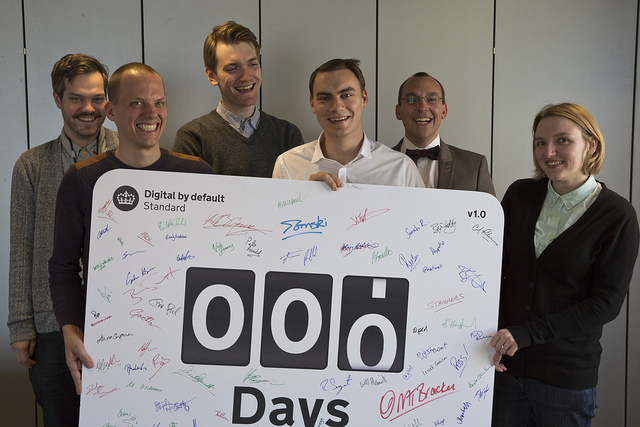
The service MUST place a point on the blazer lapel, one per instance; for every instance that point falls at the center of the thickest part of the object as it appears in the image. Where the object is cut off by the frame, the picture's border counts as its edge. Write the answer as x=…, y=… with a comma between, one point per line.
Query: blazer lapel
x=446, y=166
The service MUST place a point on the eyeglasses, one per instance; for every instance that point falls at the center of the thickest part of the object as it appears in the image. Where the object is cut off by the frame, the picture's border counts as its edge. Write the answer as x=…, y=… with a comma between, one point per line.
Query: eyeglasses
x=429, y=99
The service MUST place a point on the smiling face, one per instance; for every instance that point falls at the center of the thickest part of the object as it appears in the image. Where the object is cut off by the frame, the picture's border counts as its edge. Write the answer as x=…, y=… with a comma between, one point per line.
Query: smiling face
x=83, y=107
x=561, y=150
x=238, y=75
x=422, y=120
x=140, y=111
x=337, y=102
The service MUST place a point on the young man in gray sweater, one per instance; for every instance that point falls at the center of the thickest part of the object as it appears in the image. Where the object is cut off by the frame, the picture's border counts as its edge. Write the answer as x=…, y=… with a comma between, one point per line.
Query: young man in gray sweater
x=236, y=138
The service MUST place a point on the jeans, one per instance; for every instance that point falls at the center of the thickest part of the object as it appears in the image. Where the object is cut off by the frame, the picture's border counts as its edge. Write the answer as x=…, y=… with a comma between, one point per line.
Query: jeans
x=523, y=402
x=52, y=382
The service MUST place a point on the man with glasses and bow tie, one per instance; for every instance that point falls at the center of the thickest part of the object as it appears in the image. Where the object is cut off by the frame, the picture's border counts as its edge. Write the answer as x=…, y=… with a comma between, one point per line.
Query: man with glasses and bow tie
x=422, y=107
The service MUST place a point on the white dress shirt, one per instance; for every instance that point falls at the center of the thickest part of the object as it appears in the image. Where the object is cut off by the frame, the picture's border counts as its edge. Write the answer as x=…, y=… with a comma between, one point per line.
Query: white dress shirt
x=375, y=164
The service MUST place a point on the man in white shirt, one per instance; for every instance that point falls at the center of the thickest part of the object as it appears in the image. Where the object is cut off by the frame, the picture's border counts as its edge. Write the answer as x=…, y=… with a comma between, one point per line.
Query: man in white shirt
x=343, y=153
x=422, y=107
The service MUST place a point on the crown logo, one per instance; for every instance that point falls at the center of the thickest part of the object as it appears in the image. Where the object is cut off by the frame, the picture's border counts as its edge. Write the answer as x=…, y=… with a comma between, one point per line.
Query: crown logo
x=126, y=198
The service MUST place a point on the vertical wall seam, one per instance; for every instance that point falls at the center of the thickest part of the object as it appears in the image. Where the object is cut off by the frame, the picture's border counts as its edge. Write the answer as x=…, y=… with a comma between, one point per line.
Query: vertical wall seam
x=260, y=41
x=493, y=86
x=633, y=107
x=26, y=122
x=24, y=76
x=377, y=70
x=142, y=29
x=631, y=172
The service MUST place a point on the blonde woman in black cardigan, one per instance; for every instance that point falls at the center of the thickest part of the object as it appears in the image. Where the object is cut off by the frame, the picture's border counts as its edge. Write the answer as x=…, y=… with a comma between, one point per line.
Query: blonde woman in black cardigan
x=570, y=245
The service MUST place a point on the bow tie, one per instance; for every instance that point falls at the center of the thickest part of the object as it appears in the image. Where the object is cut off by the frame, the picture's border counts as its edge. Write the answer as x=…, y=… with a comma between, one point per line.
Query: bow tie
x=432, y=153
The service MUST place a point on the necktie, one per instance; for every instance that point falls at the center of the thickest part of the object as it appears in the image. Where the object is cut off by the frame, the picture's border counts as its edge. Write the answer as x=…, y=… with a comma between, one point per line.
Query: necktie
x=432, y=153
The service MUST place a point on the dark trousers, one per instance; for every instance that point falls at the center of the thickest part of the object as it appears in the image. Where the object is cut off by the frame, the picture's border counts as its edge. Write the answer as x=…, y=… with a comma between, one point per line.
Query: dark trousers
x=52, y=382
x=523, y=402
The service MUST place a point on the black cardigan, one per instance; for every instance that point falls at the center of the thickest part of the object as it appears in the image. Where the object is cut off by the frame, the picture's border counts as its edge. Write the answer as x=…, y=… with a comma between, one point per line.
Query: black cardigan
x=555, y=306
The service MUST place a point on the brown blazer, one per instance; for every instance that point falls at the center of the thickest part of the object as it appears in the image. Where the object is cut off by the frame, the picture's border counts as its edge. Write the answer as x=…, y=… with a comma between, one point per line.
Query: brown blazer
x=460, y=169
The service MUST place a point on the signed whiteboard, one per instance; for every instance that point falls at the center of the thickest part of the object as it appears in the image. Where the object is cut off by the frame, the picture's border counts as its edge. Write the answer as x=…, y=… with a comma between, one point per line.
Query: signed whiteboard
x=216, y=300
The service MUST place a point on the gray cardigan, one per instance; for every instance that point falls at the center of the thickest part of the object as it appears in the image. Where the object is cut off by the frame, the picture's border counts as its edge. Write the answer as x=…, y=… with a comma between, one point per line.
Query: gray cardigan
x=34, y=185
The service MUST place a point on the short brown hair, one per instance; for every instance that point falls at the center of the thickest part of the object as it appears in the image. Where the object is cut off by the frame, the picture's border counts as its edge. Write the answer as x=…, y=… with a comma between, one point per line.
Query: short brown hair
x=420, y=74
x=336, y=64
x=229, y=33
x=72, y=65
x=588, y=127
x=113, y=88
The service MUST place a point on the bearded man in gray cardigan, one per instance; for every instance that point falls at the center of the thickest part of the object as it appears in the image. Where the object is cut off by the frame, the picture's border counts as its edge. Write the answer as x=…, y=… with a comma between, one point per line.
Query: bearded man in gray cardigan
x=79, y=91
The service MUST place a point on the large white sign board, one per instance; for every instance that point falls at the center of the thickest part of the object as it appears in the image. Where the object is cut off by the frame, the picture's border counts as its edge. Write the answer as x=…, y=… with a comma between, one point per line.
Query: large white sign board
x=216, y=300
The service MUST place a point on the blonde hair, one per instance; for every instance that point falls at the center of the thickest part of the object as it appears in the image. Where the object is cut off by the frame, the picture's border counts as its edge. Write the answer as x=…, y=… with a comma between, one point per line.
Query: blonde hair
x=588, y=127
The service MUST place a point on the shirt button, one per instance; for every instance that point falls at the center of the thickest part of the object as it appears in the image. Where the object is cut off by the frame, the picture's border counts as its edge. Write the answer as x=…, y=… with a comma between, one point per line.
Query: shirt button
x=531, y=285
x=526, y=307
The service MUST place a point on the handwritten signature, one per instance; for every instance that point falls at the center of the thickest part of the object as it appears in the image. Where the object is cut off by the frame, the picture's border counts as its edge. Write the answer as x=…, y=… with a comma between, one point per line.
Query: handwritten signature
x=236, y=228
x=159, y=362
x=168, y=276
x=364, y=216
x=190, y=373
x=299, y=227
x=146, y=347
x=290, y=255
x=254, y=378
x=97, y=390
x=346, y=249
x=105, y=213
x=446, y=227
x=103, y=231
x=330, y=384
x=167, y=406
x=467, y=274
x=411, y=263
x=310, y=254
x=460, y=362
x=485, y=233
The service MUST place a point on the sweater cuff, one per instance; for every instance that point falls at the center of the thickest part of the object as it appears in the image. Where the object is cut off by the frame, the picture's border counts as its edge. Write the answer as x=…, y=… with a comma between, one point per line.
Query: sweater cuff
x=521, y=335
x=22, y=331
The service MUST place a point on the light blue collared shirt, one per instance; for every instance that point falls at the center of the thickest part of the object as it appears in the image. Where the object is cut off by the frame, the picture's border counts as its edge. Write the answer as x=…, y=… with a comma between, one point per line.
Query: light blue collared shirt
x=245, y=126
x=560, y=212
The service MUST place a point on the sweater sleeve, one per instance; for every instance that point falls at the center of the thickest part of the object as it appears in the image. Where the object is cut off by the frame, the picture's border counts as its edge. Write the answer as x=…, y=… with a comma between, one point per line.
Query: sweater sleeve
x=22, y=216
x=294, y=136
x=187, y=142
x=67, y=291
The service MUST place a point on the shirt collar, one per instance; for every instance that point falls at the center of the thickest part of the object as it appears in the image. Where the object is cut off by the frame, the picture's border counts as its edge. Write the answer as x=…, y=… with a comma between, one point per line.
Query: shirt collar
x=408, y=145
x=75, y=151
x=574, y=197
x=236, y=121
x=365, y=149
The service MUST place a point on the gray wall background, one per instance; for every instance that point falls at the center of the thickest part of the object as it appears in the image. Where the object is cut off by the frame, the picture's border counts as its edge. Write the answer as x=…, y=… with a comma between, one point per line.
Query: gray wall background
x=500, y=61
